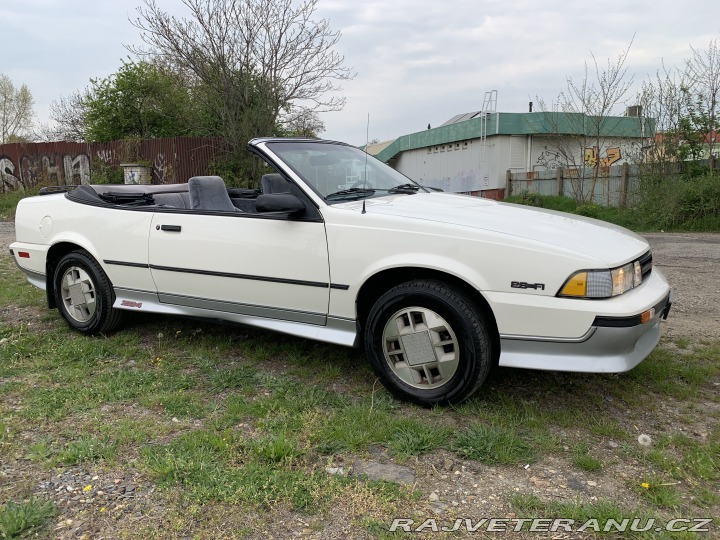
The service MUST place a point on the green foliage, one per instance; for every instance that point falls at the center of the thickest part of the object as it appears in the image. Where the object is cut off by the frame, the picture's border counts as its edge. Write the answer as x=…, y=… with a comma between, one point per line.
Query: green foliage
x=583, y=460
x=240, y=168
x=141, y=100
x=690, y=202
x=606, y=512
x=103, y=173
x=551, y=202
x=87, y=449
x=19, y=518
x=202, y=462
x=416, y=438
x=10, y=200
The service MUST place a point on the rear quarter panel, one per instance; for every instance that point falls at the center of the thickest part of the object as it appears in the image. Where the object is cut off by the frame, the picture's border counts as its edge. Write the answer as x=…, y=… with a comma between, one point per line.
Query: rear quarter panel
x=106, y=233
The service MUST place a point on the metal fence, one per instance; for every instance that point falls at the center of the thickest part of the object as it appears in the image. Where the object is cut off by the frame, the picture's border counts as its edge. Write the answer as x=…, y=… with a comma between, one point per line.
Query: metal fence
x=618, y=185
x=613, y=186
x=173, y=160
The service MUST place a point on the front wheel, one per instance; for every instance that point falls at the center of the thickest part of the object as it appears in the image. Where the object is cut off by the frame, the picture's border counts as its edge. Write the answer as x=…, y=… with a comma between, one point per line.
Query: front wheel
x=84, y=294
x=428, y=343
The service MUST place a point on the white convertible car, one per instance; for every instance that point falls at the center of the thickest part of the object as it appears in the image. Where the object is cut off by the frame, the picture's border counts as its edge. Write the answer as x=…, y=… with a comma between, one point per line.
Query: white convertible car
x=339, y=247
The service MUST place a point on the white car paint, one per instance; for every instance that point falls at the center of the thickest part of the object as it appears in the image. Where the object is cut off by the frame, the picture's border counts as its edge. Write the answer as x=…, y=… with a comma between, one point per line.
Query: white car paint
x=485, y=244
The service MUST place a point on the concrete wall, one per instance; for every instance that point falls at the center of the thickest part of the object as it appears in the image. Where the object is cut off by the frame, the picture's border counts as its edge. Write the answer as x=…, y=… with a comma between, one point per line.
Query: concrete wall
x=459, y=167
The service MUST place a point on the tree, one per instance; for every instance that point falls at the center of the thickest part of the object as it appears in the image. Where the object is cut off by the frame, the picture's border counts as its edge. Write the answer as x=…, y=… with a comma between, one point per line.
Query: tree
x=256, y=59
x=702, y=72
x=664, y=100
x=70, y=117
x=587, y=126
x=141, y=101
x=16, y=114
x=304, y=123
x=685, y=106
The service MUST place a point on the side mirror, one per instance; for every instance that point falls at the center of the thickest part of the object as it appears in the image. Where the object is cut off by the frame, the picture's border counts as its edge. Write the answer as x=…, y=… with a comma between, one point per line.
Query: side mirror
x=282, y=203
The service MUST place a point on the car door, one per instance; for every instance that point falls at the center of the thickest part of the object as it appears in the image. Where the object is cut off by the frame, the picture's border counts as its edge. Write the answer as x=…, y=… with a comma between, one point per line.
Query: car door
x=249, y=264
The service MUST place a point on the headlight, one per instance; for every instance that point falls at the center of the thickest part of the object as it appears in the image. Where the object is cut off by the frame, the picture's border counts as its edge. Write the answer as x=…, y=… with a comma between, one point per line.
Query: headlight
x=603, y=283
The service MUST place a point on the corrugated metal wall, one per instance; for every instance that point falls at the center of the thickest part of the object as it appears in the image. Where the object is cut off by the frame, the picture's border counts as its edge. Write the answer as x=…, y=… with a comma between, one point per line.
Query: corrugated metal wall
x=63, y=163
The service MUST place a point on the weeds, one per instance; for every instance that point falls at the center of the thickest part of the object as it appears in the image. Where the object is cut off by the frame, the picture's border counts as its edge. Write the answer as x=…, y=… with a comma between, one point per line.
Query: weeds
x=686, y=203
x=23, y=517
x=493, y=445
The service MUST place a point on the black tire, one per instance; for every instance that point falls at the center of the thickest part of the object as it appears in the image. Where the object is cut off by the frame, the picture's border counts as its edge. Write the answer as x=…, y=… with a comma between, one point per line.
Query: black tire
x=84, y=294
x=431, y=319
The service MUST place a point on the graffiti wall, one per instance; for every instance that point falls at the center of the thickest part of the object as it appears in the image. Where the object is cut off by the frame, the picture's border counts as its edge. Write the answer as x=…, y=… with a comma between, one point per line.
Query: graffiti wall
x=557, y=154
x=173, y=160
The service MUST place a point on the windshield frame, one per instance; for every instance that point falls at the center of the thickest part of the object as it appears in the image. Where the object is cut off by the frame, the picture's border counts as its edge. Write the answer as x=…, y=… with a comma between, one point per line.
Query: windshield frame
x=368, y=163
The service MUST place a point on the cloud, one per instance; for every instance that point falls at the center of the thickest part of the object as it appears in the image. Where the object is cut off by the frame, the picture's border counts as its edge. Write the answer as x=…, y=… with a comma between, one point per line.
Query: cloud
x=417, y=61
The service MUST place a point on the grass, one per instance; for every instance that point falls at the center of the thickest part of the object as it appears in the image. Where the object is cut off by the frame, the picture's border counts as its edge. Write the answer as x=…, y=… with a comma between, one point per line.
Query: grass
x=584, y=460
x=494, y=445
x=602, y=516
x=230, y=421
x=20, y=518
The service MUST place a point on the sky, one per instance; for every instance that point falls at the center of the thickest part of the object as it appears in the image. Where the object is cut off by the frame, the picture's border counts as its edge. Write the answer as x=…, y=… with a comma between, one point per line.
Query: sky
x=417, y=62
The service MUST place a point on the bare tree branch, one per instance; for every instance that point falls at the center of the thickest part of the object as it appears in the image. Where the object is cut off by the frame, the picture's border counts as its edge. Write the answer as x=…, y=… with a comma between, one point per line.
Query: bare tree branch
x=255, y=59
x=589, y=119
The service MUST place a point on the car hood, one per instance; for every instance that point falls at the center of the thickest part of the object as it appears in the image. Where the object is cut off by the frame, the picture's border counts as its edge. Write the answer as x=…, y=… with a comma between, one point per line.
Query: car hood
x=605, y=242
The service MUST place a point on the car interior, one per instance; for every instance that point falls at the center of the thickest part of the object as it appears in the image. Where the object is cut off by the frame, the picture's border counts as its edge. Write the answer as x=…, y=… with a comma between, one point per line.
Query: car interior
x=204, y=193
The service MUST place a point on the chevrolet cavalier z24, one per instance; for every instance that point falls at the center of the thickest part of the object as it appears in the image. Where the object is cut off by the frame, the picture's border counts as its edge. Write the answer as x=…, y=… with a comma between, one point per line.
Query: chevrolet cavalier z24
x=339, y=247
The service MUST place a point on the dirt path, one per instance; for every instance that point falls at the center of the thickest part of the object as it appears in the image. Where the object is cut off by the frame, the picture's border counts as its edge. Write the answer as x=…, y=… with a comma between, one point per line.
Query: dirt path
x=690, y=261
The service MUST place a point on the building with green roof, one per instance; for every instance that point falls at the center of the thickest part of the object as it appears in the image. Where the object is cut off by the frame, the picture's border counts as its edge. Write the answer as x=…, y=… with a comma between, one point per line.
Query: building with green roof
x=473, y=152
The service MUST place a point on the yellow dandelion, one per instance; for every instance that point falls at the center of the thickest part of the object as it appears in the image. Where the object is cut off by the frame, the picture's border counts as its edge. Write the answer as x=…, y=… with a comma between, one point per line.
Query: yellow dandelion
x=645, y=485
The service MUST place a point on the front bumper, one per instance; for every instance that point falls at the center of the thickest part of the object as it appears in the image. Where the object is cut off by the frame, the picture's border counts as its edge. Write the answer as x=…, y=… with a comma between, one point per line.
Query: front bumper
x=612, y=344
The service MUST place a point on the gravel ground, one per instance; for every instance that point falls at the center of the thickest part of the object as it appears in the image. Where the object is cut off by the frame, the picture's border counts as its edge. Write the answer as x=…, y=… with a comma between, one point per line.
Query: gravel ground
x=690, y=261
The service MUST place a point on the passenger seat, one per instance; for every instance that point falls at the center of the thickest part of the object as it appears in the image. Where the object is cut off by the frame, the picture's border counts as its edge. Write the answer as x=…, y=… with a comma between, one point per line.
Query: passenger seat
x=210, y=193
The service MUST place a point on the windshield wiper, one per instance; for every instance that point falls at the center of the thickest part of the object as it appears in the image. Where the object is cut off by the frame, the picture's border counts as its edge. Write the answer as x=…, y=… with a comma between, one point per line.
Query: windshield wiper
x=355, y=192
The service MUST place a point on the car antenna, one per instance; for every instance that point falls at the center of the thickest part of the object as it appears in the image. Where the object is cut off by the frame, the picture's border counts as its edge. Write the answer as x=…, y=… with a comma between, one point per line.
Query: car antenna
x=367, y=142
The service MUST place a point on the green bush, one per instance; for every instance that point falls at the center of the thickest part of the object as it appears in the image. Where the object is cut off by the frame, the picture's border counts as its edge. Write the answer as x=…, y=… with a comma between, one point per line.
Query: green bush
x=691, y=202
x=590, y=210
x=551, y=202
x=10, y=200
x=103, y=173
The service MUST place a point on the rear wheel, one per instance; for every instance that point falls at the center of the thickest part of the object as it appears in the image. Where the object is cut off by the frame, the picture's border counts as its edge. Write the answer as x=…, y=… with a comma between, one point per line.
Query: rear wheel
x=84, y=294
x=428, y=343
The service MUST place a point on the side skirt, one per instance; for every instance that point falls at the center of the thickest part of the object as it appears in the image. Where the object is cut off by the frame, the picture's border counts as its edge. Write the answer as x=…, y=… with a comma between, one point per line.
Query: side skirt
x=339, y=331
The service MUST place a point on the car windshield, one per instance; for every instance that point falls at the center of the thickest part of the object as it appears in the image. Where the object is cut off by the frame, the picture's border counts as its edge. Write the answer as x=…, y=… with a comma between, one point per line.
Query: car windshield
x=340, y=173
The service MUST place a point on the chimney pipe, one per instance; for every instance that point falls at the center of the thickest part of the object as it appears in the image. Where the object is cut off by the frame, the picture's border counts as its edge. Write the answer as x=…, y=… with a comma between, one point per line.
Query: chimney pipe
x=530, y=107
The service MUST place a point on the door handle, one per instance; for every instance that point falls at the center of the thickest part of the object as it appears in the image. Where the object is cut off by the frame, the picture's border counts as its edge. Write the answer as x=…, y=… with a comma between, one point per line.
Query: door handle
x=170, y=228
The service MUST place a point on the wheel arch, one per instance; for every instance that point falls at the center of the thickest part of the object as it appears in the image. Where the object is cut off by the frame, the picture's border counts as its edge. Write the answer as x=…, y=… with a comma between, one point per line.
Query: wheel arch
x=55, y=253
x=377, y=284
